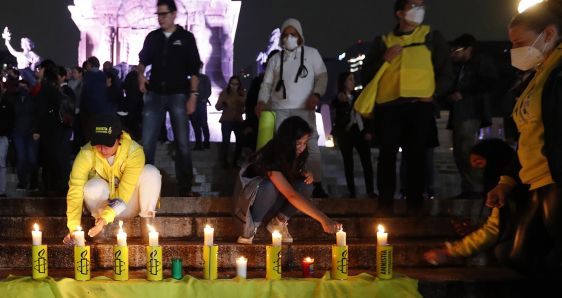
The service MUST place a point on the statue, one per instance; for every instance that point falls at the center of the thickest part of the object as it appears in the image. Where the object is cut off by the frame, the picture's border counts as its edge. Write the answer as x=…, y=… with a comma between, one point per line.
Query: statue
x=272, y=45
x=27, y=59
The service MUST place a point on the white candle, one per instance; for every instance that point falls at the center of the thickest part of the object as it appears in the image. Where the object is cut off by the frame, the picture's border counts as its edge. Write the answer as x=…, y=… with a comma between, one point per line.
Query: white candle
x=382, y=237
x=79, y=237
x=152, y=236
x=276, y=238
x=36, y=235
x=121, y=235
x=208, y=235
x=341, y=238
x=242, y=267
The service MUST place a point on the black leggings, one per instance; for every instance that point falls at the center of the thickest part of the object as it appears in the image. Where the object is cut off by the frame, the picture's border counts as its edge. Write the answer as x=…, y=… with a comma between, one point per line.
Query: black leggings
x=538, y=240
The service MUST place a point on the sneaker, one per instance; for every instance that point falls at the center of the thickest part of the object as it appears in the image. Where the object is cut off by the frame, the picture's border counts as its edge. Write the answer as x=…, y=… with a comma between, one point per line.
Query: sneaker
x=244, y=240
x=276, y=224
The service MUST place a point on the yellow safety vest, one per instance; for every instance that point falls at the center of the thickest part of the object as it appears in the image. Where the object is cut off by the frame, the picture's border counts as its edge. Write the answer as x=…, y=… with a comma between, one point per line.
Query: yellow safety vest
x=410, y=74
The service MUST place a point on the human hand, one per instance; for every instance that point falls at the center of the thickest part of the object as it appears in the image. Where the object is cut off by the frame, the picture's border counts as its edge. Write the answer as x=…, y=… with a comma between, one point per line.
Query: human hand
x=259, y=108
x=330, y=226
x=312, y=102
x=35, y=136
x=436, y=256
x=368, y=137
x=392, y=52
x=496, y=196
x=6, y=34
x=100, y=224
x=142, y=83
x=308, y=178
x=68, y=239
x=456, y=96
x=191, y=104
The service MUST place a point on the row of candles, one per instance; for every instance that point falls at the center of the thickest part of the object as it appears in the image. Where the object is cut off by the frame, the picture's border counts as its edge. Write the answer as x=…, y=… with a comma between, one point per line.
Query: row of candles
x=241, y=262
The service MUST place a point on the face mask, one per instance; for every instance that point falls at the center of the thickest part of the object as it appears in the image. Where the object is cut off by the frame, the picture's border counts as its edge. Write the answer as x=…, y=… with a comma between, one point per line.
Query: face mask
x=290, y=42
x=528, y=57
x=415, y=15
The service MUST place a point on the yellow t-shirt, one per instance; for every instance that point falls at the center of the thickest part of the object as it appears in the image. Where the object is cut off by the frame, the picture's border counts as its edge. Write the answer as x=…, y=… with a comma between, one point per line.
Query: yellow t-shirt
x=527, y=115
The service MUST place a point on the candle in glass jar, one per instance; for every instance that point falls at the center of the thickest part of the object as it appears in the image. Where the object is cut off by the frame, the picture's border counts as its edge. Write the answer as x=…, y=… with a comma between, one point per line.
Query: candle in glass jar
x=242, y=267
x=36, y=235
x=79, y=237
x=121, y=235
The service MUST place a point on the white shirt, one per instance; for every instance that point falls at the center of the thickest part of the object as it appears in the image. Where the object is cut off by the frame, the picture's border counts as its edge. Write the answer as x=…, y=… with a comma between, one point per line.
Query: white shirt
x=297, y=93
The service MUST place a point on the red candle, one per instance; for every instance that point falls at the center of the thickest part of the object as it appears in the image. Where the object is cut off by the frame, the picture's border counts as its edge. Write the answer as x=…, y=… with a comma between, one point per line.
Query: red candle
x=307, y=267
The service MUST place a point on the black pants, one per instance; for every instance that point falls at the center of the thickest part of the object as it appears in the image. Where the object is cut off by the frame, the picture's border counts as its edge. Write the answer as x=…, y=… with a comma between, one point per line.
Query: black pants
x=199, y=123
x=354, y=139
x=537, y=246
x=227, y=127
x=408, y=126
x=55, y=149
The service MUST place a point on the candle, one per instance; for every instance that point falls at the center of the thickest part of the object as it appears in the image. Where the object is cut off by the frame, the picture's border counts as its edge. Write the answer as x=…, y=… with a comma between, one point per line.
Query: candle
x=79, y=237
x=241, y=267
x=36, y=235
x=307, y=267
x=152, y=236
x=121, y=235
x=382, y=237
x=208, y=235
x=276, y=238
x=340, y=238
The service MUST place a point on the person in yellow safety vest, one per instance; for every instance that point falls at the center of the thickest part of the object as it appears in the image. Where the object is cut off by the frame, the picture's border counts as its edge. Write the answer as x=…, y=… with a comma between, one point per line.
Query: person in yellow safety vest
x=110, y=178
x=413, y=66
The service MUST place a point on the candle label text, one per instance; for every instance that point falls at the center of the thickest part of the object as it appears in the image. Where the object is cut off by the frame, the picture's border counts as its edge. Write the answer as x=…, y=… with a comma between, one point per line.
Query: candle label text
x=83, y=265
x=153, y=263
x=41, y=263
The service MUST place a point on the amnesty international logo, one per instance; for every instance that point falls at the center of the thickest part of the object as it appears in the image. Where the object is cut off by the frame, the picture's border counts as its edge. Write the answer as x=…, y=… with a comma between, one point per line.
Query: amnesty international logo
x=83, y=265
x=104, y=130
x=153, y=263
x=277, y=263
x=342, y=263
x=119, y=267
x=41, y=264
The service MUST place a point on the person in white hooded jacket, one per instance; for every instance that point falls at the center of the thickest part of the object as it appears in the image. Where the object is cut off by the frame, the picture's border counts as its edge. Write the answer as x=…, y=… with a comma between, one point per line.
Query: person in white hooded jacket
x=294, y=81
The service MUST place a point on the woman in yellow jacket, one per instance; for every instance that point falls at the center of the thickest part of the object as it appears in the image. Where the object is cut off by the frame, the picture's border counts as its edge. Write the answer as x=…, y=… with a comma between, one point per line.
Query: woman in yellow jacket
x=110, y=178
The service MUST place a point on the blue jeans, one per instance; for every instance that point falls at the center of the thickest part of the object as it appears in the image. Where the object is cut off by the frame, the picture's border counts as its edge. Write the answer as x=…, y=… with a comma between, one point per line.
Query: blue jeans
x=154, y=114
x=27, y=150
x=269, y=201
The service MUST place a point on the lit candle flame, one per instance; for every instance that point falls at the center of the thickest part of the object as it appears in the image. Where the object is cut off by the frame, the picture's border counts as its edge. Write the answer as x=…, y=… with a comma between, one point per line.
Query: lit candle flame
x=207, y=226
x=36, y=227
x=381, y=229
x=151, y=228
x=242, y=259
x=308, y=260
x=121, y=226
x=276, y=234
x=78, y=228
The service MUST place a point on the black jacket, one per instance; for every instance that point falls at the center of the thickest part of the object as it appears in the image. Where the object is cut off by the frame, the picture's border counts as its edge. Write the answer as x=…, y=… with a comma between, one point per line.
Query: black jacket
x=6, y=116
x=173, y=59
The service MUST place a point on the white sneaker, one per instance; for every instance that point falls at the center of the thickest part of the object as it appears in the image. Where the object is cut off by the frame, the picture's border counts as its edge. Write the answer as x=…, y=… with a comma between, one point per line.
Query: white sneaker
x=243, y=240
x=276, y=224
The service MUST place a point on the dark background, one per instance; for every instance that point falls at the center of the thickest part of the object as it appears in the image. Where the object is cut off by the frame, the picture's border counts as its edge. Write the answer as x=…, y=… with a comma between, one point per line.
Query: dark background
x=329, y=25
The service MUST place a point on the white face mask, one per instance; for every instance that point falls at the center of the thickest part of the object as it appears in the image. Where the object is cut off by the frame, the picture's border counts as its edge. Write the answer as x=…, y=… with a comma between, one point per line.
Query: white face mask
x=527, y=57
x=415, y=15
x=290, y=42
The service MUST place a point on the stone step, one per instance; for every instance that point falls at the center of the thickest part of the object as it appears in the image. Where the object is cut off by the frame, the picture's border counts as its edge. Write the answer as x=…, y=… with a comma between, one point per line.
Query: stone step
x=56, y=206
x=406, y=253
x=226, y=228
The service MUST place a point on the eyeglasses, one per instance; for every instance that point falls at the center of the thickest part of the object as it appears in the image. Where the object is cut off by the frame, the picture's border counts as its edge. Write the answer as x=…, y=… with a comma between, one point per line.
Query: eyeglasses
x=413, y=5
x=162, y=14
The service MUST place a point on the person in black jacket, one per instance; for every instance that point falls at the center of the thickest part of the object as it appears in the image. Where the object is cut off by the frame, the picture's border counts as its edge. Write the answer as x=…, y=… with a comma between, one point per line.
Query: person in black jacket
x=6, y=126
x=536, y=35
x=133, y=105
x=173, y=54
x=199, y=117
x=351, y=130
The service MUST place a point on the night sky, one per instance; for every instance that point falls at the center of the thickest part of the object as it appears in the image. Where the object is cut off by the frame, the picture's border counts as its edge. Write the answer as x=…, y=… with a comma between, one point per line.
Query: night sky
x=331, y=26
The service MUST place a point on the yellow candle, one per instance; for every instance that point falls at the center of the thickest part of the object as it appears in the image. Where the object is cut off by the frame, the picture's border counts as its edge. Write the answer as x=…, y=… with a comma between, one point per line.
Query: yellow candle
x=341, y=238
x=36, y=235
x=242, y=267
x=382, y=237
x=121, y=235
x=276, y=238
x=152, y=236
x=208, y=235
x=79, y=237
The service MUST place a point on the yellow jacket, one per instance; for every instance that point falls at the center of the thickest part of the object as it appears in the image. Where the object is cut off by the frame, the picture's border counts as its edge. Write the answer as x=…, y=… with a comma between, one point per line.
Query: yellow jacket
x=122, y=177
x=478, y=240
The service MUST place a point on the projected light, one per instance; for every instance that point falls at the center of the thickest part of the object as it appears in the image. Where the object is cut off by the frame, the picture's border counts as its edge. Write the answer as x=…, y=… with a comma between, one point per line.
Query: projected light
x=524, y=4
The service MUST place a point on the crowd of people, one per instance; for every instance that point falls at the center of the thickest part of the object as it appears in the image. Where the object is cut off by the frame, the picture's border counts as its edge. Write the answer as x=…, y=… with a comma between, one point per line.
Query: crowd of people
x=112, y=127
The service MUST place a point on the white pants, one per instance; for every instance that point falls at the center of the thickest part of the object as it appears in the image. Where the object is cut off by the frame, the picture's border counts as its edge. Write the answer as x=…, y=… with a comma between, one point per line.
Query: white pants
x=142, y=202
